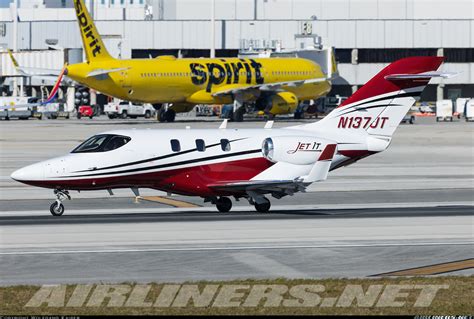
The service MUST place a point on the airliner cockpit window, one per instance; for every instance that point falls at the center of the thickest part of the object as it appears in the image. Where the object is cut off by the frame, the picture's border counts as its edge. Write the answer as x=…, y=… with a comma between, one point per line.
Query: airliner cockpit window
x=102, y=143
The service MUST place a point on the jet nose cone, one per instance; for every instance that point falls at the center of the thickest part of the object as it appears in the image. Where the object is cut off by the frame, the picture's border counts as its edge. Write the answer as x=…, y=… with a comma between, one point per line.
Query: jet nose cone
x=29, y=173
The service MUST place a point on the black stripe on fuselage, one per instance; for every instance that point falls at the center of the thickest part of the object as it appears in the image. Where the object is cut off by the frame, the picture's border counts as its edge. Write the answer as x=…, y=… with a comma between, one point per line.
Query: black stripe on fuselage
x=154, y=158
x=170, y=164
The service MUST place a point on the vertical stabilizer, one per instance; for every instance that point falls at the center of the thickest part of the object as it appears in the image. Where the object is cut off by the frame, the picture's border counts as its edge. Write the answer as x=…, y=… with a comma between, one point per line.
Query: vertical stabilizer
x=91, y=40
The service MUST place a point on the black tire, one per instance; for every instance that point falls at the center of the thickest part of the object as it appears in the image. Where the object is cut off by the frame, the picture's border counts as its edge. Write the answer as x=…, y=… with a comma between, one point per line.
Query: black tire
x=91, y=117
x=161, y=115
x=437, y=119
x=170, y=115
x=224, y=204
x=412, y=120
x=147, y=114
x=111, y=116
x=124, y=115
x=56, y=210
x=79, y=115
x=264, y=207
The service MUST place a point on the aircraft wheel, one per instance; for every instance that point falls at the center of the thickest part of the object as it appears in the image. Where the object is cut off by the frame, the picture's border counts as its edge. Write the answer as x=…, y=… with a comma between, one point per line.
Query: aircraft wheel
x=170, y=115
x=224, y=204
x=161, y=115
x=264, y=207
x=56, y=209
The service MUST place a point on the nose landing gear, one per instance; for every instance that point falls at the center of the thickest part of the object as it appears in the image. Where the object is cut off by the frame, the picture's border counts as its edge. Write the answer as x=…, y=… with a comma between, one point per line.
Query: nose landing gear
x=57, y=208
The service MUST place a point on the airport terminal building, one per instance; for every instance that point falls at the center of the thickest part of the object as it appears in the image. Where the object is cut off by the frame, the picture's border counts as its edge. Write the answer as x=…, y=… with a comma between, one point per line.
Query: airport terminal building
x=366, y=34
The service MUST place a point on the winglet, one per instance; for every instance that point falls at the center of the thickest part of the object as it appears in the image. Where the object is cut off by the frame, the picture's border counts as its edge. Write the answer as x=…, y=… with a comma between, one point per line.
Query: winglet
x=320, y=170
x=15, y=63
x=223, y=124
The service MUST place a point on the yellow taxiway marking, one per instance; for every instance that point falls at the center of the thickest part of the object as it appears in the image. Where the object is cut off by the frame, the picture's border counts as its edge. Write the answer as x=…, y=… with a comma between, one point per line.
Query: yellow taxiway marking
x=168, y=201
x=433, y=269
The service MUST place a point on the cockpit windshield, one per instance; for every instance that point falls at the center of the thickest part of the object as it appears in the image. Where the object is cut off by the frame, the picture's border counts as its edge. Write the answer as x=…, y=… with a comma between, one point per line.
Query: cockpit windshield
x=102, y=143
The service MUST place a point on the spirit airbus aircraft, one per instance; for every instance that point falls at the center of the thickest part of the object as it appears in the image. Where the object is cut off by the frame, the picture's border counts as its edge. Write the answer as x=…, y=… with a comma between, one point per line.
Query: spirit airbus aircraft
x=216, y=164
x=276, y=85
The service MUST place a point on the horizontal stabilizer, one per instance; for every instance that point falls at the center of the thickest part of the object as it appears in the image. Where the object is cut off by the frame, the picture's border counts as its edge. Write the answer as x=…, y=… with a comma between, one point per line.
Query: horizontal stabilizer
x=424, y=75
x=320, y=170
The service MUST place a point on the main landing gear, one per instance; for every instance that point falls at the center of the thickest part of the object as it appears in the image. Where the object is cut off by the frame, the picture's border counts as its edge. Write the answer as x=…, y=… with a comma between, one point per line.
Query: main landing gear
x=224, y=204
x=263, y=206
x=57, y=207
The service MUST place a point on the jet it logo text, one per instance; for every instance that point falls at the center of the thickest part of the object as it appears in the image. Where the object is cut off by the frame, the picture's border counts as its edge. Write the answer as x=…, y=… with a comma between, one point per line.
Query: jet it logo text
x=305, y=147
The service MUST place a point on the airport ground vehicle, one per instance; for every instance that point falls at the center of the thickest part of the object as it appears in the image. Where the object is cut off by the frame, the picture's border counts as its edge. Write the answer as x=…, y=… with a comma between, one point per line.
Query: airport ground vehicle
x=124, y=109
x=216, y=164
x=410, y=117
x=16, y=107
x=444, y=110
x=469, y=110
x=85, y=111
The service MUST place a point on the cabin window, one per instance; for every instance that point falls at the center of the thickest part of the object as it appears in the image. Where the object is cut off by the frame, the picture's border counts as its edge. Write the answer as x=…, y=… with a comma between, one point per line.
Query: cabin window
x=200, y=145
x=225, y=145
x=175, y=146
x=102, y=143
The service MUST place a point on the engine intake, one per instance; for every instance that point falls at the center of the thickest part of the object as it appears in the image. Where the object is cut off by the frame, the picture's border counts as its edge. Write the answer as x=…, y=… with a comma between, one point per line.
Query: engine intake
x=298, y=150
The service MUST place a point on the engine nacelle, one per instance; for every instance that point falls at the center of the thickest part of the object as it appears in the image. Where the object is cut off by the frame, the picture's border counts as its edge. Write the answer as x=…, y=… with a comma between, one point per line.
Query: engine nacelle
x=283, y=103
x=298, y=150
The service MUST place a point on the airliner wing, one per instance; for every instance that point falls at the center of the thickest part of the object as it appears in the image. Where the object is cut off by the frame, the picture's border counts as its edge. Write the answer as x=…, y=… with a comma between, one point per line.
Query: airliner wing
x=267, y=87
x=26, y=71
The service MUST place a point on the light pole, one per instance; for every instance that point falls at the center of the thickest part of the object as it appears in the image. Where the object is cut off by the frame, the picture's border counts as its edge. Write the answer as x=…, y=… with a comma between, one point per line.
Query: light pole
x=213, y=29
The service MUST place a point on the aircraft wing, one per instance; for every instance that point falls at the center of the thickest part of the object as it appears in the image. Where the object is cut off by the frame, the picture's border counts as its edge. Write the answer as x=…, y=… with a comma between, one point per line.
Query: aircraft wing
x=277, y=188
x=26, y=71
x=267, y=87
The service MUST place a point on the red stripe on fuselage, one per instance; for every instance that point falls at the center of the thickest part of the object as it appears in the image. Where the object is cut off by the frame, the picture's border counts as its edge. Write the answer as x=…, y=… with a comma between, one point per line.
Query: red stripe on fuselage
x=185, y=181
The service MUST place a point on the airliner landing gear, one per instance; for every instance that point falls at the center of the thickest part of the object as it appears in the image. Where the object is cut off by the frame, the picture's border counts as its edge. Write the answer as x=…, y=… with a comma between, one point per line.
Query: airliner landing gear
x=264, y=206
x=57, y=208
x=223, y=204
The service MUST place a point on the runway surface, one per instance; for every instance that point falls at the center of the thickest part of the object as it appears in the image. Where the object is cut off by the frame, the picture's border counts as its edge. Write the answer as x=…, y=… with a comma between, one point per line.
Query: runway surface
x=411, y=206
x=178, y=244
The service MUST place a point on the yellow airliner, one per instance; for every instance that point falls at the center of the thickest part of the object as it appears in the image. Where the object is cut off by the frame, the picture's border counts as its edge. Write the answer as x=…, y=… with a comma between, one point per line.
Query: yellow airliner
x=276, y=85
